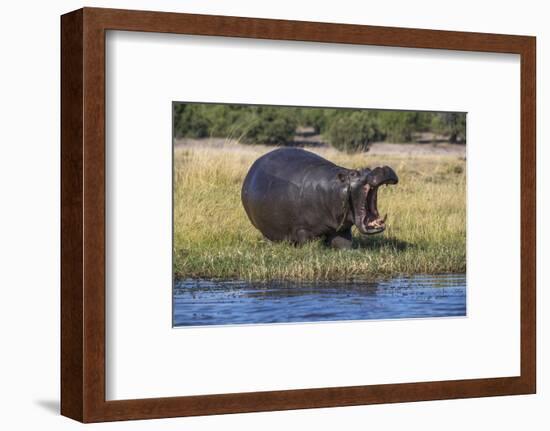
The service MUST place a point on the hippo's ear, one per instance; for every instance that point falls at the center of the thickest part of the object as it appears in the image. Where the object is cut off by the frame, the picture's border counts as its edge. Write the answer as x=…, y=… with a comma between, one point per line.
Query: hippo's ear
x=364, y=173
x=342, y=176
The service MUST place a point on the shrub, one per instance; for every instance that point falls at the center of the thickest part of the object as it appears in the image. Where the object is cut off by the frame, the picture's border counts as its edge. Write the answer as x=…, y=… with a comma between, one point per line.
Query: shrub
x=352, y=131
x=190, y=122
x=346, y=129
x=398, y=126
x=451, y=124
x=313, y=117
x=269, y=126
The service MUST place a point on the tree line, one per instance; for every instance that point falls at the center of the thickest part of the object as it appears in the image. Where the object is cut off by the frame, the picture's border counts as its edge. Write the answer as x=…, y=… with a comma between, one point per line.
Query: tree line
x=349, y=130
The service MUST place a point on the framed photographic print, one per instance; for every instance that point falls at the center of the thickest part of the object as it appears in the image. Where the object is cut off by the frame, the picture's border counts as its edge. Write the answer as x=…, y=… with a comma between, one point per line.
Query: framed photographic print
x=266, y=215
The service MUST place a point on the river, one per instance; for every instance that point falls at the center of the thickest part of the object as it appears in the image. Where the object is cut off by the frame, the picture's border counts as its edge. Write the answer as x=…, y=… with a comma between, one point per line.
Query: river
x=211, y=302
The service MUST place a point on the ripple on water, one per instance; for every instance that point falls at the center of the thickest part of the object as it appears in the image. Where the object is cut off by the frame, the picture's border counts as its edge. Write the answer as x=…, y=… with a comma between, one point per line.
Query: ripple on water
x=211, y=302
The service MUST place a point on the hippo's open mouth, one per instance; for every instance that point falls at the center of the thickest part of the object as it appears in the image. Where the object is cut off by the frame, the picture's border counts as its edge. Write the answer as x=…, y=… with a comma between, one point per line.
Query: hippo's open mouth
x=371, y=222
x=368, y=219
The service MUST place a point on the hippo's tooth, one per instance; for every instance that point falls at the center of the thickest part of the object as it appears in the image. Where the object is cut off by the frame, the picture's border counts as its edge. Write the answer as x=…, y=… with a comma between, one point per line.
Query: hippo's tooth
x=384, y=219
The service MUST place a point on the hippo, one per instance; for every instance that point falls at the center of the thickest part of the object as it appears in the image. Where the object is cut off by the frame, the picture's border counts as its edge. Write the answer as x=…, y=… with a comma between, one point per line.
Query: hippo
x=294, y=195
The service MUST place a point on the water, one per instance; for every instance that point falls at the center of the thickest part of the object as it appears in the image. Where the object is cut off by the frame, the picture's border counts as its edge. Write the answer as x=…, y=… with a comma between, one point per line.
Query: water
x=209, y=302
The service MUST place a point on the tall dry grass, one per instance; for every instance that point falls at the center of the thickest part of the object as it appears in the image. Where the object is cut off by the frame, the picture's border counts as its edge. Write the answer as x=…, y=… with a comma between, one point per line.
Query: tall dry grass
x=213, y=237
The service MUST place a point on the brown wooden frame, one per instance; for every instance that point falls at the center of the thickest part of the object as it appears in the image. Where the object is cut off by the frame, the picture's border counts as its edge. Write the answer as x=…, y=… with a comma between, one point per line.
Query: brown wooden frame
x=83, y=214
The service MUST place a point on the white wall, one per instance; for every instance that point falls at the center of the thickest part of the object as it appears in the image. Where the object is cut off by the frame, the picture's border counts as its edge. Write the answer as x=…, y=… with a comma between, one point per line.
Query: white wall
x=29, y=215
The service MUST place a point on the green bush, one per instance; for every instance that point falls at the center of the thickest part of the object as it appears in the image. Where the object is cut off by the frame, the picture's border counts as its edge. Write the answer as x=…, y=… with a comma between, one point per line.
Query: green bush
x=313, y=117
x=398, y=126
x=190, y=121
x=352, y=131
x=346, y=129
x=269, y=126
x=451, y=124
x=249, y=124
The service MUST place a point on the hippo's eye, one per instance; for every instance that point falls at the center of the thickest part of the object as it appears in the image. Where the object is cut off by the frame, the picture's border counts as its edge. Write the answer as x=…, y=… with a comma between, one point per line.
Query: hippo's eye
x=354, y=173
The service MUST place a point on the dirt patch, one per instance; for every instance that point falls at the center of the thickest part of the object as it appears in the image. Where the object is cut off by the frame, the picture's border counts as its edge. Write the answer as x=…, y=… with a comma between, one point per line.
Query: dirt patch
x=414, y=149
x=377, y=148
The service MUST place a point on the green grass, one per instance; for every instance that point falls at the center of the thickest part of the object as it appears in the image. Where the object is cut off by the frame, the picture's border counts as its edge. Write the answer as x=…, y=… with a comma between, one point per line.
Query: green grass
x=213, y=237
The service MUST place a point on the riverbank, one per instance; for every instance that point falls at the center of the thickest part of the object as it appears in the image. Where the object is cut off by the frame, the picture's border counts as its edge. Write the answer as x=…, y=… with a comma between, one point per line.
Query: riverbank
x=213, y=237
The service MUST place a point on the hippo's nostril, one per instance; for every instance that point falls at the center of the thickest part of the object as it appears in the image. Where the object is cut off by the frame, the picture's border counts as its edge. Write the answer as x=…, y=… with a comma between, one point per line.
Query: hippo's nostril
x=382, y=175
x=391, y=176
